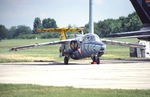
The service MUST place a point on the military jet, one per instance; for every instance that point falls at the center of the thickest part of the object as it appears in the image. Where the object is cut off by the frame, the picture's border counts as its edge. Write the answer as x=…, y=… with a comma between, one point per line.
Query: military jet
x=88, y=45
x=83, y=46
x=142, y=8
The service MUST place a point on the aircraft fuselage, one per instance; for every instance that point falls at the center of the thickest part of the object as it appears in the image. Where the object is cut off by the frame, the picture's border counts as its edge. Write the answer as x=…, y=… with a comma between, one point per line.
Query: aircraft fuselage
x=88, y=45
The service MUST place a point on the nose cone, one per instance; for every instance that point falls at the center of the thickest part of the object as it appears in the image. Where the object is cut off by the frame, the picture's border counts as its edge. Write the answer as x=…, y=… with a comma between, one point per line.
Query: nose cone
x=96, y=47
x=93, y=48
x=99, y=47
x=103, y=47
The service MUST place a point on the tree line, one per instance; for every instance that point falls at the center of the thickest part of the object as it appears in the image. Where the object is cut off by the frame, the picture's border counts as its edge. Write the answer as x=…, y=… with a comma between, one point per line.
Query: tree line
x=25, y=32
x=123, y=24
x=102, y=28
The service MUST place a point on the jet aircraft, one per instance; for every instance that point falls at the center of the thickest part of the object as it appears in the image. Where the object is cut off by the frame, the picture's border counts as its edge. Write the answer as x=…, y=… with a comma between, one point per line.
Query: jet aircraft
x=87, y=45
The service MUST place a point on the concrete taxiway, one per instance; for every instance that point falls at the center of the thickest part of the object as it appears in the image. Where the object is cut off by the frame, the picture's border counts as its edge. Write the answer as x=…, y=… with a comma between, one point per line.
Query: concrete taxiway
x=110, y=74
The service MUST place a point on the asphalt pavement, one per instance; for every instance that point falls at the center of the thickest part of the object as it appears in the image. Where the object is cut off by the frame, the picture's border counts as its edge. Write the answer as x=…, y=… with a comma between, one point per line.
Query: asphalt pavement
x=117, y=74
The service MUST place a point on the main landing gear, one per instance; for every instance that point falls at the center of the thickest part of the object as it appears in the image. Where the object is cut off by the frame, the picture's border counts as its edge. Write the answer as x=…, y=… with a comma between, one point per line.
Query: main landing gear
x=66, y=60
x=96, y=60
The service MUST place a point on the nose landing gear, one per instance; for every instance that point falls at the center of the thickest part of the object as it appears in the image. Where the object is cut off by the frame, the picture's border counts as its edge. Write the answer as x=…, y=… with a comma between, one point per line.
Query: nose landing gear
x=66, y=60
x=96, y=60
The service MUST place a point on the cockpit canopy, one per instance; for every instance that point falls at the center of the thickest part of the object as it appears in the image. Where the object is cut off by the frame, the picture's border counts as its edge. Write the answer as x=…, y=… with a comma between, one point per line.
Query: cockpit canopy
x=90, y=37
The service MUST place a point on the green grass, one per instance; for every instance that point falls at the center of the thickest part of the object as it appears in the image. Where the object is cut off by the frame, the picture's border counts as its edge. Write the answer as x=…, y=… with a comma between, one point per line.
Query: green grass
x=118, y=52
x=9, y=90
x=50, y=53
x=47, y=53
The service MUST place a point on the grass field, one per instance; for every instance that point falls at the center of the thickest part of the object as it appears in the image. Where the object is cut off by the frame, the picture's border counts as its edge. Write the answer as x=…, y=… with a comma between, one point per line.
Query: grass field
x=9, y=90
x=50, y=53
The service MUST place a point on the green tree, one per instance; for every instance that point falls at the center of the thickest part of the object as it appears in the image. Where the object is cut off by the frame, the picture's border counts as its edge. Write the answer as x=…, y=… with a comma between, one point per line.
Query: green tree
x=3, y=32
x=103, y=28
x=12, y=31
x=21, y=30
x=135, y=22
x=49, y=23
x=122, y=24
x=37, y=23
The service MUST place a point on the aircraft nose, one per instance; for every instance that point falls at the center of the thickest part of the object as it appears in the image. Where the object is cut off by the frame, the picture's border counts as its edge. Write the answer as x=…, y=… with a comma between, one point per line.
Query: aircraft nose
x=103, y=47
x=99, y=47
x=93, y=48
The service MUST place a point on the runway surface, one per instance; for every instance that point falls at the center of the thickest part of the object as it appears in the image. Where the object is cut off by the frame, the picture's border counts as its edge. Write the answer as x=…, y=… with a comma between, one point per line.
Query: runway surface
x=117, y=74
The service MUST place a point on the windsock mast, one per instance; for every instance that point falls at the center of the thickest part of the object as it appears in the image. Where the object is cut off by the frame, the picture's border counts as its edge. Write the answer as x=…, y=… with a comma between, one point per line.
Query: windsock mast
x=91, y=24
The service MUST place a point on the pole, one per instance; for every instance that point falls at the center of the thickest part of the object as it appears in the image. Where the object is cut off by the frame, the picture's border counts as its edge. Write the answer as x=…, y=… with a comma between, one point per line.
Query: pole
x=91, y=25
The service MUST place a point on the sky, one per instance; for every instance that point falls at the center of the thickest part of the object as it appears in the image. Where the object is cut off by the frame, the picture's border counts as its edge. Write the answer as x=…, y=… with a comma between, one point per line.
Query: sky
x=65, y=12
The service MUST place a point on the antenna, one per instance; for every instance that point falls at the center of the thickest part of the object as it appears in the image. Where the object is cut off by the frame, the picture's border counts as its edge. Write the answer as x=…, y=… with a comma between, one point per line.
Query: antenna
x=91, y=26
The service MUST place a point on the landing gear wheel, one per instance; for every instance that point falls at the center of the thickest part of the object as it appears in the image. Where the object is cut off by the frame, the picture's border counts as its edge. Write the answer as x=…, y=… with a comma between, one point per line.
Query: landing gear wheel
x=96, y=60
x=66, y=59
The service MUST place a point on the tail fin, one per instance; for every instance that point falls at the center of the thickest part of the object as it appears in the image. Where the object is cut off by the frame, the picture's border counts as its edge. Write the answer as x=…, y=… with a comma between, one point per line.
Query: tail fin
x=142, y=8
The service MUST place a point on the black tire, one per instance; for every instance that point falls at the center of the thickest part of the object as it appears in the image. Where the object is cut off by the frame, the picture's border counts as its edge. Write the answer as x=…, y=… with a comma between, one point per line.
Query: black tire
x=94, y=58
x=97, y=60
x=66, y=59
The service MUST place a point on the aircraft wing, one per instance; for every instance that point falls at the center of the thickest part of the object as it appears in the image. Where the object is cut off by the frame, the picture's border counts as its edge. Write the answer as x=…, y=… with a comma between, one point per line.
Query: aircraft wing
x=127, y=44
x=141, y=34
x=40, y=44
